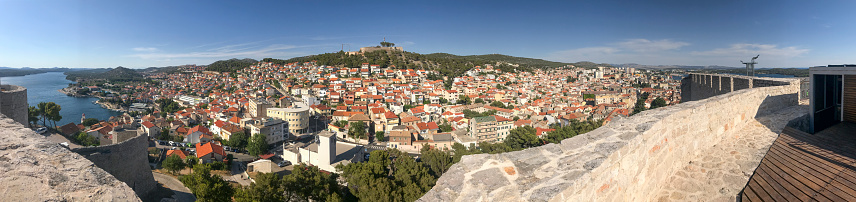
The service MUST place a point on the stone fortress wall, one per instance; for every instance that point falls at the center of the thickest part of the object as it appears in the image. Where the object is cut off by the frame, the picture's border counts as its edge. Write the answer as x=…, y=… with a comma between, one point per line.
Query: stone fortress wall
x=13, y=103
x=702, y=86
x=629, y=159
x=34, y=169
x=127, y=161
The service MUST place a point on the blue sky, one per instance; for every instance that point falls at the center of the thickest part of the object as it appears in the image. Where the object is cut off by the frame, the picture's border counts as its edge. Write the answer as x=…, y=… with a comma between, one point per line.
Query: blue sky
x=138, y=34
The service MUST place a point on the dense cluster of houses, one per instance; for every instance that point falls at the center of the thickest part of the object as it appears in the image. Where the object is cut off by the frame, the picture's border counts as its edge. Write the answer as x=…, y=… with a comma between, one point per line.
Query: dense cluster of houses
x=404, y=105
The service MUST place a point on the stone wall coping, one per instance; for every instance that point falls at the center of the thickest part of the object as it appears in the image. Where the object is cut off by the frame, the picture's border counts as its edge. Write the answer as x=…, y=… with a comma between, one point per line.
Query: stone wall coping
x=603, y=163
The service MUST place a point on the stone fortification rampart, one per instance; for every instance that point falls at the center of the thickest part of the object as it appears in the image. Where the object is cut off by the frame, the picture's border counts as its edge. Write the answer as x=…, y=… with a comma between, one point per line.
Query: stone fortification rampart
x=13, y=103
x=701, y=86
x=34, y=169
x=629, y=159
x=127, y=161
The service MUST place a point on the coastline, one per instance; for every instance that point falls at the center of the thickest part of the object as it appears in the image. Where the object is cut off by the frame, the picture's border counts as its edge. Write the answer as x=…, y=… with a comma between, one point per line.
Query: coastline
x=68, y=92
x=109, y=106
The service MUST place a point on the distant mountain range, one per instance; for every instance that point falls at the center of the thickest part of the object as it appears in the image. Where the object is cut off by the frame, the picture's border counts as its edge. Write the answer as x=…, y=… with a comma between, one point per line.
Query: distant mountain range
x=686, y=67
x=10, y=71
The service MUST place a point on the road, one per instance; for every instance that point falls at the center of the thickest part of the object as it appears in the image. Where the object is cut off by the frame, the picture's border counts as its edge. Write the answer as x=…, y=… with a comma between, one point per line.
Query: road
x=182, y=193
x=237, y=174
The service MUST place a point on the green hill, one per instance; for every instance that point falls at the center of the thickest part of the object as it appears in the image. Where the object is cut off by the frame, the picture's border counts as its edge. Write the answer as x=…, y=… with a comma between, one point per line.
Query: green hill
x=231, y=65
x=444, y=63
x=503, y=58
x=114, y=74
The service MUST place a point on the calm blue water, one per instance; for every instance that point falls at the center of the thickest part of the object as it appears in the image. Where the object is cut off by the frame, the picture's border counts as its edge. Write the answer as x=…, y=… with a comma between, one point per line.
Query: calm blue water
x=44, y=88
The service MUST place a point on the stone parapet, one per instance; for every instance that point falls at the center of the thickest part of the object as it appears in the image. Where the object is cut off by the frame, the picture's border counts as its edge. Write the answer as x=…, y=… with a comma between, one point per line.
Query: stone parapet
x=629, y=159
x=697, y=86
x=127, y=161
x=34, y=169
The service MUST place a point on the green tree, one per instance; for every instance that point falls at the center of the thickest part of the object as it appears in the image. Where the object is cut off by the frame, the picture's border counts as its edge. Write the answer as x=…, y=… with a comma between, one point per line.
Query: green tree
x=341, y=124
x=446, y=128
x=90, y=121
x=379, y=136
x=49, y=112
x=32, y=115
x=357, y=130
x=207, y=187
x=258, y=145
x=191, y=160
x=173, y=163
x=387, y=44
x=168, y=106
x=497, y=104
x=522, y=137
x=479, y=100
x=463, y=99
x=437, y=161
x=389, y=175
x=164, y=134
x=84, y=139
x=268, y=187
x=309, y=183
x=657, y=103
x=238, y=140
x=640, y=103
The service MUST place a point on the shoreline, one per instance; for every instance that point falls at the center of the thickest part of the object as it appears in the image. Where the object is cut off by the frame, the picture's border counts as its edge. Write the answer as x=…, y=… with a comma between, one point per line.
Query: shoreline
x=71, y=94
x=109, y=106
x=98, y=102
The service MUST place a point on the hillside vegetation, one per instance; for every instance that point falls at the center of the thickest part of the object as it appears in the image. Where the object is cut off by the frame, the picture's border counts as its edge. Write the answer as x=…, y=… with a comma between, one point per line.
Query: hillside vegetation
x=9, y=72
x=231, y=65
x=113, y=75
x=444, y=63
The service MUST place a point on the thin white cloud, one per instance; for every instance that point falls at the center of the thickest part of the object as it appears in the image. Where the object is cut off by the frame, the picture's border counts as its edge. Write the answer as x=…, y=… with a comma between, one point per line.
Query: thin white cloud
x=145, y=49
x=645, y=45
x=224, y=52
x=667, y=52
x=745, y=49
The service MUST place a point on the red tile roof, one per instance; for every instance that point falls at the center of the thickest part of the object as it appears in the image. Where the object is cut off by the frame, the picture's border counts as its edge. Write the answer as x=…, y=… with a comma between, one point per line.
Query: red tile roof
x=181, y=153
x=148, y=124
x=205, y=149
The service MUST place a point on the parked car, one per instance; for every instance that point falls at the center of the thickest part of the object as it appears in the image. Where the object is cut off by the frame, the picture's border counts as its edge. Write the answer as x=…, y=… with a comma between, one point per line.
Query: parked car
x=171, y=143
x=41, y=130
x=284, y=163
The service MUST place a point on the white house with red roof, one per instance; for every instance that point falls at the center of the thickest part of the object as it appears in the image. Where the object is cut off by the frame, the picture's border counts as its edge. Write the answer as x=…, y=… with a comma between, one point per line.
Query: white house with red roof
x=209, y=152
x=150, y=128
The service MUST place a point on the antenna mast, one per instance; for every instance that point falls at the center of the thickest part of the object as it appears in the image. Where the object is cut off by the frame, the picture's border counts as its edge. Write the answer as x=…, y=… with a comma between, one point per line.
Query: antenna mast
x=750, y=66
